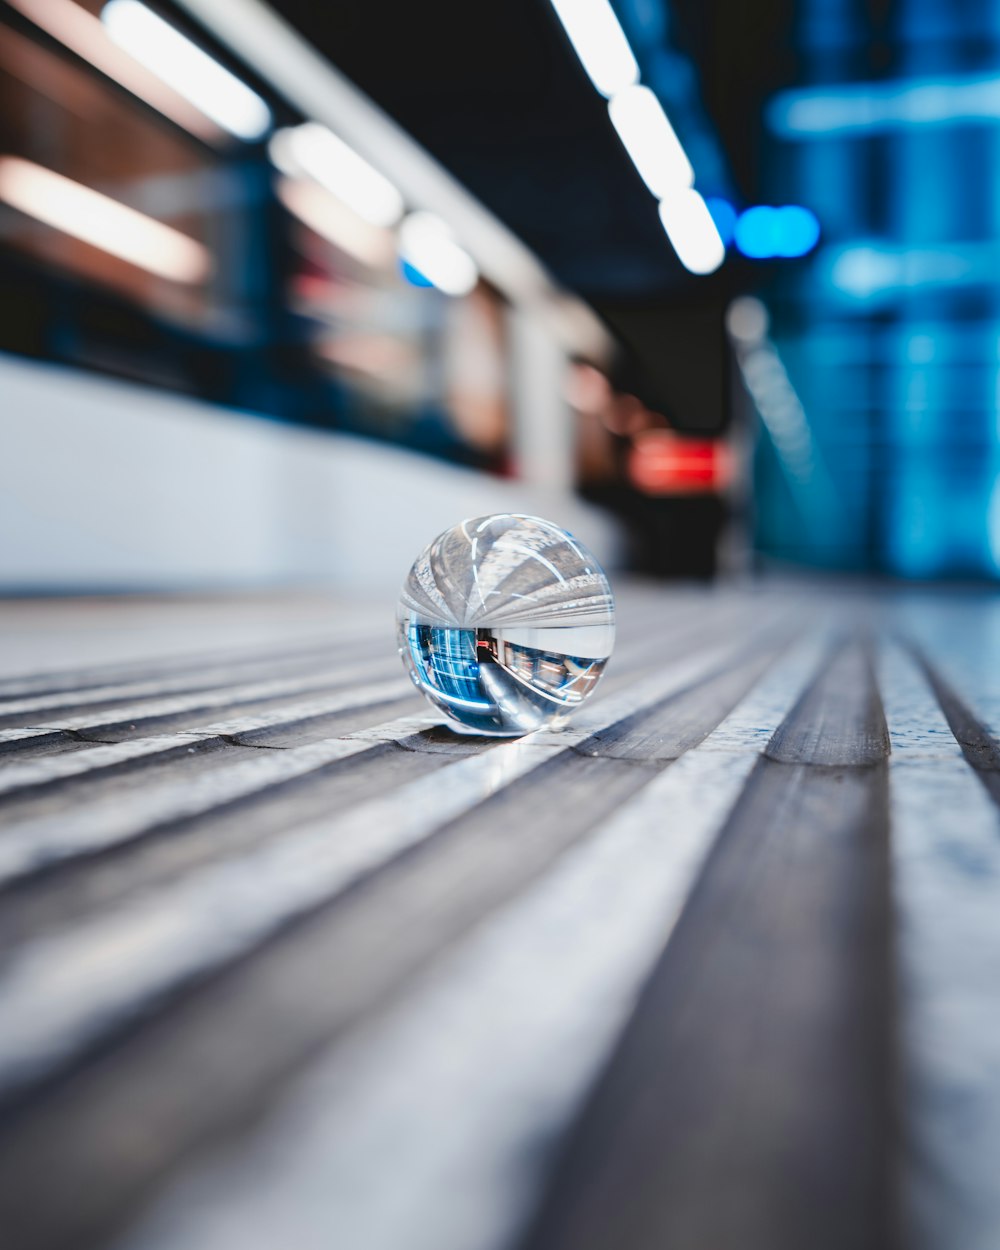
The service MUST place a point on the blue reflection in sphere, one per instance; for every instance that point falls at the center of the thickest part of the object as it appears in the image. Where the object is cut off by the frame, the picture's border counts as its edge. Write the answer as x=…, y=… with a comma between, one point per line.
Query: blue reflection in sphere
x=506, y=624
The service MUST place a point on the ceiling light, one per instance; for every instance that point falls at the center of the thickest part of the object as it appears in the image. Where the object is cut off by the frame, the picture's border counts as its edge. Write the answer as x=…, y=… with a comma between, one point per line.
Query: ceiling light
x=691, y=231
x=599, y=42
x=313, y=150
x=426, y=243
x=798, y=230
x=757, y=232
x=105, y=223
x=649, y=139
x=763, y=232
x=187, y=68
x=84, y=34
x=879, y=107
x=336, y=222
x=747, y=320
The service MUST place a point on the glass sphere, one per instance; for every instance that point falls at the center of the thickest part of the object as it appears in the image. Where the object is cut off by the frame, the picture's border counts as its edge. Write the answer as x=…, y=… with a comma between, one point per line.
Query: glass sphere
x=506, y=624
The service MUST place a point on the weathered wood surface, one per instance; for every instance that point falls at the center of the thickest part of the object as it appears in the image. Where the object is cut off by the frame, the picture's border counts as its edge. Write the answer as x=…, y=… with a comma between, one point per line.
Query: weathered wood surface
x=283, y=963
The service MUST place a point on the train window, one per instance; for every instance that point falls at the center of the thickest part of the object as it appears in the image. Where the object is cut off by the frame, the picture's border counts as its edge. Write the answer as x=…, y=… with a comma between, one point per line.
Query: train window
x=139, y=237
x=95, y=185
x=418, y=367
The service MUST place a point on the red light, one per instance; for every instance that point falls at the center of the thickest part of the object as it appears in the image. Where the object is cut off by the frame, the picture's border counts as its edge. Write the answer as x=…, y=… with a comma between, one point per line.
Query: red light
x=663, y=463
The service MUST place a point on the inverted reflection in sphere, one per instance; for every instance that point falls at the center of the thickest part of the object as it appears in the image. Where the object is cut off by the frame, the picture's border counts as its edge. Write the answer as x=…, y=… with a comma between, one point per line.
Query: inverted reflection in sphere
x=506, y=623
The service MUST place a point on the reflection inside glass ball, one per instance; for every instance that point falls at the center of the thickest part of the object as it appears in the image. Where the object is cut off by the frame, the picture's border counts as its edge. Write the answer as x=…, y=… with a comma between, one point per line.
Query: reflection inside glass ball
x=506, y=623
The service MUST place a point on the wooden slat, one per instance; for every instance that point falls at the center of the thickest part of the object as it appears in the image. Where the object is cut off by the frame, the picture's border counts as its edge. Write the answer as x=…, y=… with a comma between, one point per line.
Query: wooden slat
x=262, y=719
x=195, y=839
x=219, y=677
x=506, y=1031
x=946, y=874
x=55, y=1006
x=978, y=744
x=762, y=1038
x=285, y=961
x=157, y=671
x=13, y=739
x=97, y=759
x=39, y=843
x=85, y=643
x=179, y=710
x=839, y=722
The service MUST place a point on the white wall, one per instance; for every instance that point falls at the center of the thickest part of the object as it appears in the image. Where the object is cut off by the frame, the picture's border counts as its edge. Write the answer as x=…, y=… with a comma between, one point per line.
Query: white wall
x=108, y=485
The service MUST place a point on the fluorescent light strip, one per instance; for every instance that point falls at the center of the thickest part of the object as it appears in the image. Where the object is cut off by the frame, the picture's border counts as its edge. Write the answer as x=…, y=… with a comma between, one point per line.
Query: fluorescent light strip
x=426, y=243
x=856, y=108
x=747, y=321
x=84, y=35
x=780, y=410
x=691, y=231
x=599, y=42
x=186, y=68
x=300, y=74
x=336, y=222
x=105, y=223
x=649, y=139
x=313, y=150
x=875, y=269
x=645, y=131
x=782, y=415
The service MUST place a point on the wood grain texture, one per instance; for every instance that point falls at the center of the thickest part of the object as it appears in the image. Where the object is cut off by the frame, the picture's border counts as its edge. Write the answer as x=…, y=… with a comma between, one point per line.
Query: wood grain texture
x=284, y=961
x=946, y=870
x=840, y=722
x=748, y=1104
x=979, y=745
x=227, y=1052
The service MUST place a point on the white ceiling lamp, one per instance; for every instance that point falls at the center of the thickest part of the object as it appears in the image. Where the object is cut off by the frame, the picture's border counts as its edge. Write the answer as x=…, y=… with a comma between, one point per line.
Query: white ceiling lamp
x=427, y=243
x=645, y=131
x=314, y=151
x=188, y=69
x=102, y=222
x=327, y=216
x=747, y=320
x=300, y=74
x=85, y=35
x=691, y=231
x=649, y=139
x=599, y=42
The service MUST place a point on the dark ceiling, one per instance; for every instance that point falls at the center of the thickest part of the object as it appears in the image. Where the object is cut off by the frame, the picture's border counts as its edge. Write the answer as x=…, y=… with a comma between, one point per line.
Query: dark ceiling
x=497, y=95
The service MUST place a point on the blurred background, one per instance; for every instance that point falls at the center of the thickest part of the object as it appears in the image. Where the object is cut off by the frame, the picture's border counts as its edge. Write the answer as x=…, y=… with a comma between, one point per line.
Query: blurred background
x=285, y=289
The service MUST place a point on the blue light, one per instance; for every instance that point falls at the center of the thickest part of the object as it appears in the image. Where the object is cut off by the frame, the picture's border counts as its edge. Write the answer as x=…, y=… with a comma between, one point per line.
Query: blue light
x=873, y=269
x=647, y=19
x=798, y=230
x=763, y=232
x=724, y=216
x=413, y=275
x=756, y=232
x=875, y=108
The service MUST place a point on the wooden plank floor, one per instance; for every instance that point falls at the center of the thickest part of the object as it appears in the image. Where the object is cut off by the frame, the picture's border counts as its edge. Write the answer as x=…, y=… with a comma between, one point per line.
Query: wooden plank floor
x=285, y=964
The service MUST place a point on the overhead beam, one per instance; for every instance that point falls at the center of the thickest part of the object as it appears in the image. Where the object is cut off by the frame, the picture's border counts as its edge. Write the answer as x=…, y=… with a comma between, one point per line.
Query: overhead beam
x=305, y=78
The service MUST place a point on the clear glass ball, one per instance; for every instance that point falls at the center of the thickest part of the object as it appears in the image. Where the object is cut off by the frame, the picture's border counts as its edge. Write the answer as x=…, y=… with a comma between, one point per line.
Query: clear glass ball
x=506, y=623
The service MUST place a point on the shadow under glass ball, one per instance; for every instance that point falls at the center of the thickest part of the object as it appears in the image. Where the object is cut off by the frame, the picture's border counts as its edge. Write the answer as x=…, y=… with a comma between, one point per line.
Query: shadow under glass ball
x=506, y=624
